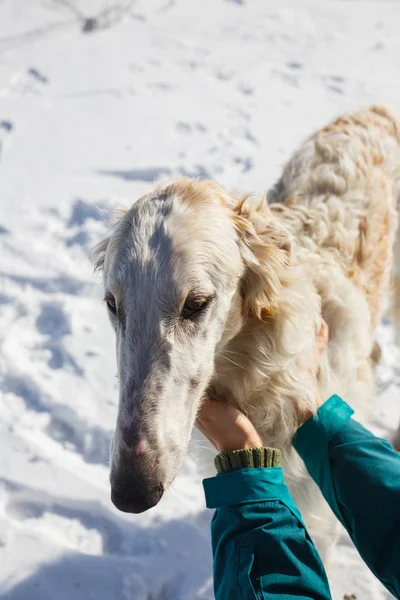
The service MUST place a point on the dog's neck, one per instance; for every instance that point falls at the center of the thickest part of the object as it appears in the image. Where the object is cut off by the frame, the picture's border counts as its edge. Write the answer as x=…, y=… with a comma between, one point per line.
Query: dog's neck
x=260, y=369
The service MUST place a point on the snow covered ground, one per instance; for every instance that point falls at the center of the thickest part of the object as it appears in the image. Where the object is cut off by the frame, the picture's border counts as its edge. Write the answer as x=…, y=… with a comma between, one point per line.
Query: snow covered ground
x=97, y=101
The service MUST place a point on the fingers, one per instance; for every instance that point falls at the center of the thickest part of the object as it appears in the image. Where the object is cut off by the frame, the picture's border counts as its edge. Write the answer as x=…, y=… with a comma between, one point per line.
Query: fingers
x=226, y=427
x=213, y=410
x=323, y=333
x=322, y=337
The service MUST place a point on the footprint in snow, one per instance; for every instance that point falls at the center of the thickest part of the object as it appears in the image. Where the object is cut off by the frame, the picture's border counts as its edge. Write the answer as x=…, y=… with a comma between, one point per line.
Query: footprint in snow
x=54, y=323
x=92, y=442
x=53, y=320
x=37, y=75
x=6, y=126
x=296, y=66
x=86, y=224
x=83, y=210
x=189, y=128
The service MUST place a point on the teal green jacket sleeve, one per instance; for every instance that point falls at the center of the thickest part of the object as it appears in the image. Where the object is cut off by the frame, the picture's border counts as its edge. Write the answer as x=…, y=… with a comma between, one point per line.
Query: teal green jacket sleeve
x=359, y=475
x=260, y=545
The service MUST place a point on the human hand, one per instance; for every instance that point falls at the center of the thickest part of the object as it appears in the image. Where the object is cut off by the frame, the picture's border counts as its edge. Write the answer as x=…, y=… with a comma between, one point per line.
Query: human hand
x=321, y=341
x=226, y=427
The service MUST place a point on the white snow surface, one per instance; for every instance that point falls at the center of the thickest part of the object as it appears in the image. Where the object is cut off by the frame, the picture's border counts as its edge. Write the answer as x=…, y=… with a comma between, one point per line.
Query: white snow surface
x=89, y=120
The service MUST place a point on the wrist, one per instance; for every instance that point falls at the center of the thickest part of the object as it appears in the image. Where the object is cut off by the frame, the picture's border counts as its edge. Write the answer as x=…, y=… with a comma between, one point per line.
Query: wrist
x=239, y=442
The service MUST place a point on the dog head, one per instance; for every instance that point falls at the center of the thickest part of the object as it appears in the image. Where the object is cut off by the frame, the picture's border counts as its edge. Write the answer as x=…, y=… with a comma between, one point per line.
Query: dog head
x=183, y=269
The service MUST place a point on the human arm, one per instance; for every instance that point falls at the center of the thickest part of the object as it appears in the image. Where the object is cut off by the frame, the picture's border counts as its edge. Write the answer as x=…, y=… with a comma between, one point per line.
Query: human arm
x=359, y=475
x=261, y=548
x=260, y=545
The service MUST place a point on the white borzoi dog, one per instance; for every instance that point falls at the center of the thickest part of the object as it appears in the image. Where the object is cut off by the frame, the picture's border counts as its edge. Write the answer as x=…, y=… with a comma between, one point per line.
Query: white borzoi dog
x=208, y=291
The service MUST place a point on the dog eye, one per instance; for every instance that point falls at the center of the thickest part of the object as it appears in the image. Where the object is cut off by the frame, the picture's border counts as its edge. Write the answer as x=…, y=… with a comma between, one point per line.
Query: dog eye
x=111, y=304
x=194, y=305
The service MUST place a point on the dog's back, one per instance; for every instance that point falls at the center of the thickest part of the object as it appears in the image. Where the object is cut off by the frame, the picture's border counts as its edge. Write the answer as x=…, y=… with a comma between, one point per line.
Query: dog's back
x=343, y=191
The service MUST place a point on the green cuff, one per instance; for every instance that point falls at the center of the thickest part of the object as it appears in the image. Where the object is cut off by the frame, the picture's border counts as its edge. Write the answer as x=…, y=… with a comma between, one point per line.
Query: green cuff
x=250, y=458
x=246, y=485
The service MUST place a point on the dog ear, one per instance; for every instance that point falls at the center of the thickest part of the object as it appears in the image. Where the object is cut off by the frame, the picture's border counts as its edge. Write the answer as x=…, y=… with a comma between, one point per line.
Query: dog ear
x=99, y=254
x=100, y=250
x=265, y=248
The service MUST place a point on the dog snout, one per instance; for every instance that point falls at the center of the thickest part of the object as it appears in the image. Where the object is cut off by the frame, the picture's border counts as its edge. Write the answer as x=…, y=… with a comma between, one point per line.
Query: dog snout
x=136, y=478
x=136, y=498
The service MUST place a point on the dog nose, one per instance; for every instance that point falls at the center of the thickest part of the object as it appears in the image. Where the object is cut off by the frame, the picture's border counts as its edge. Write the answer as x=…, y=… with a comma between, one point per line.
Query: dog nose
x=134, y=501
